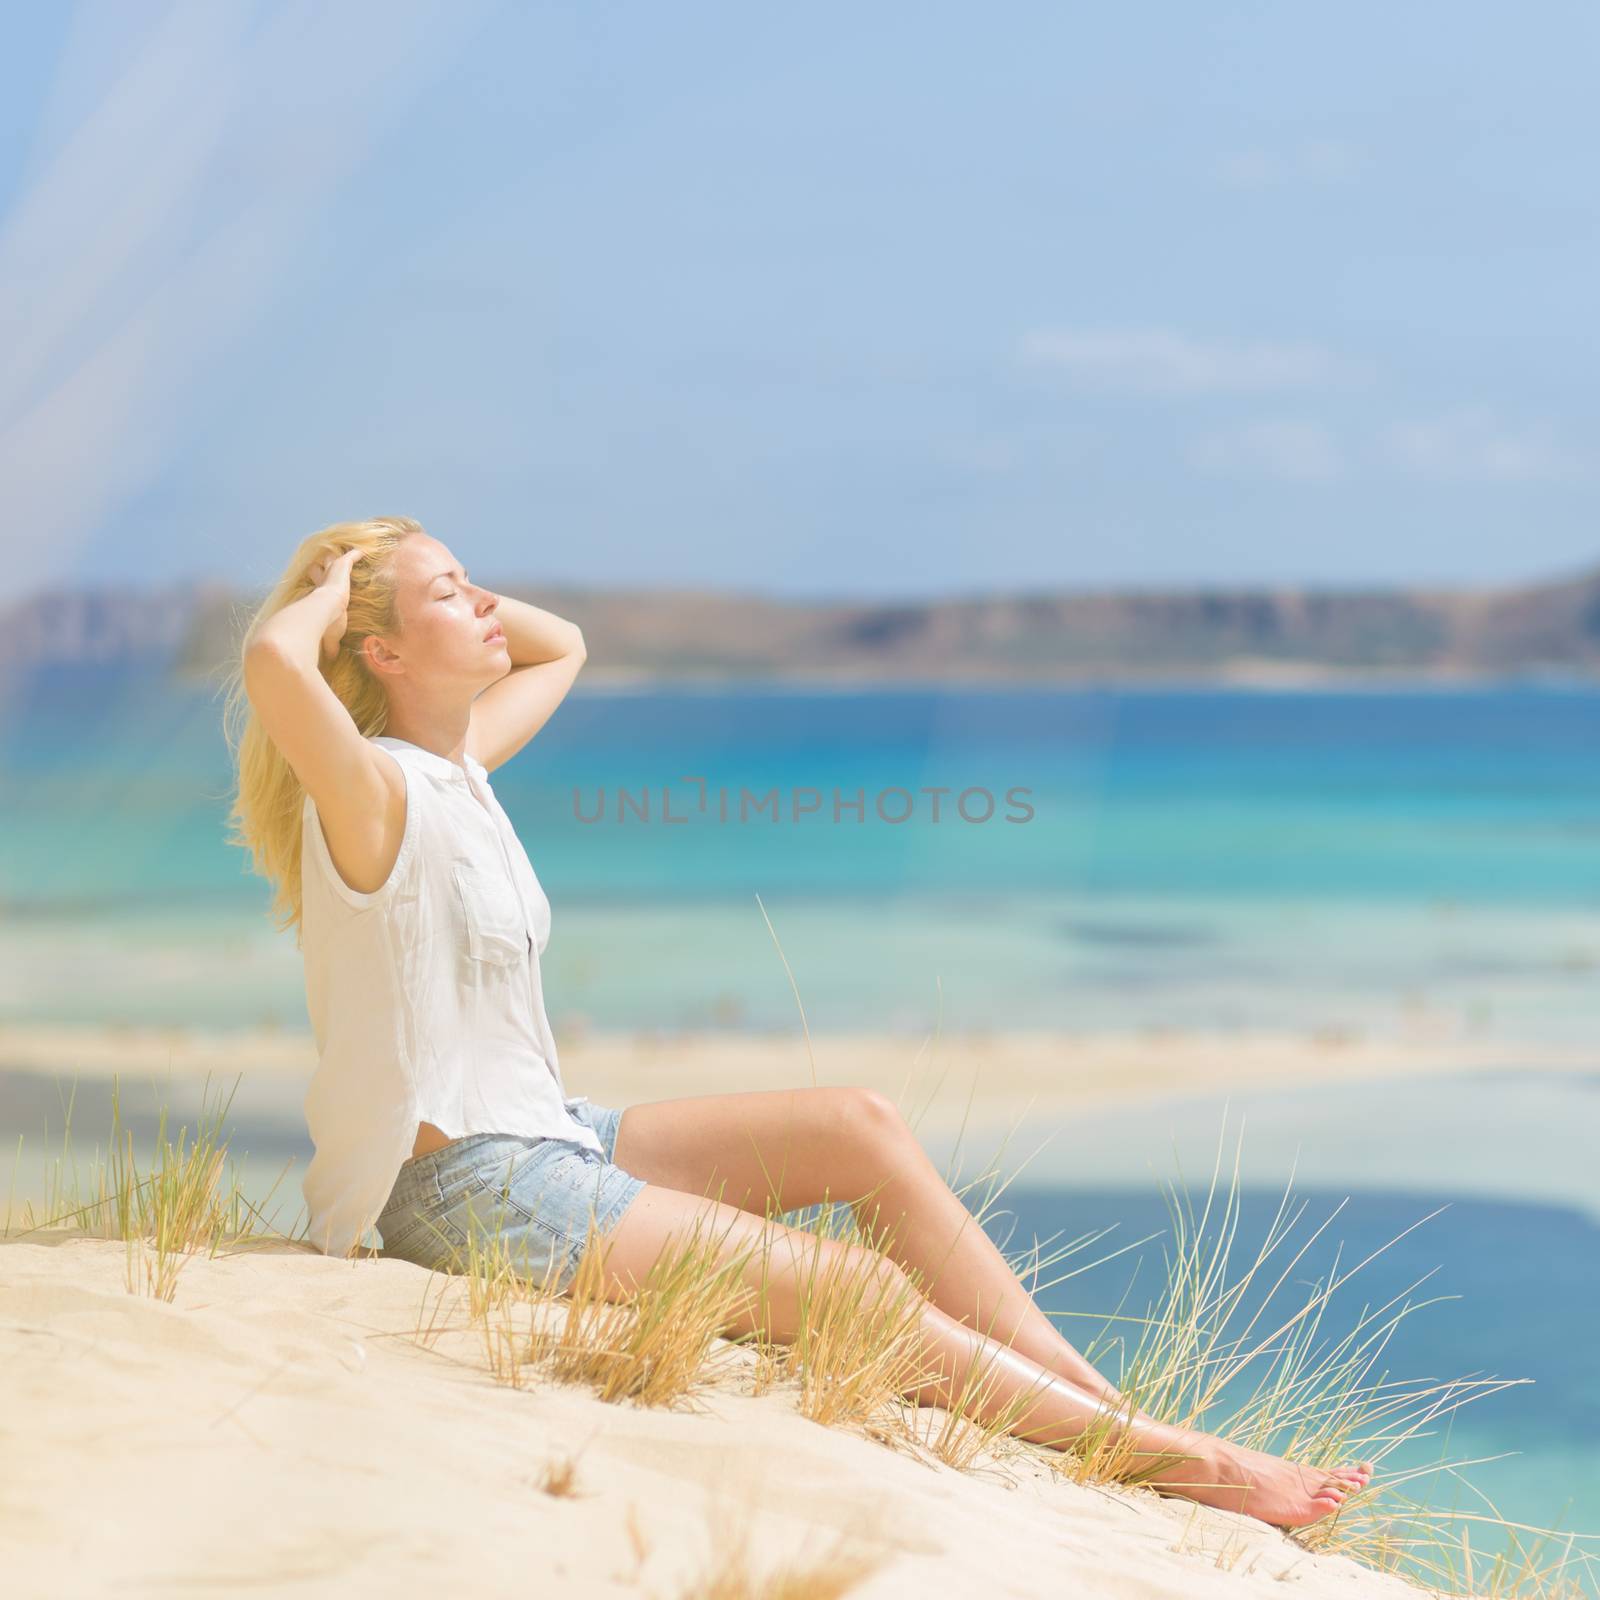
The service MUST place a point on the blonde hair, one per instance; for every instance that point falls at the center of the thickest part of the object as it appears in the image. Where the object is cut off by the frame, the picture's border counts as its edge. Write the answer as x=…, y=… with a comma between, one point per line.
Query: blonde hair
x=269, y=799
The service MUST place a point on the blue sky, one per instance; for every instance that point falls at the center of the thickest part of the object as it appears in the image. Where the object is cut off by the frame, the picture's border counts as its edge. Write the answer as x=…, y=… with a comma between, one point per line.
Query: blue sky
x=821, y=300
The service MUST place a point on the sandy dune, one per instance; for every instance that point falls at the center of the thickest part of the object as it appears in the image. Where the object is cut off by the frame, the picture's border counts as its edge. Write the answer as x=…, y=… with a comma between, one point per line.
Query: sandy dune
x=276, y=1429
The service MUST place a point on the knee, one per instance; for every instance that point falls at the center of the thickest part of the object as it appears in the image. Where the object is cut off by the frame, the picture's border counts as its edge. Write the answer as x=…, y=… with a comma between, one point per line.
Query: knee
x=874, y=1114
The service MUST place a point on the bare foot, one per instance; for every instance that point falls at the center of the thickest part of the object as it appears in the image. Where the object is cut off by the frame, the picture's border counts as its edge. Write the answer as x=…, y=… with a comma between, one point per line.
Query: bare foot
x=1283, y=1493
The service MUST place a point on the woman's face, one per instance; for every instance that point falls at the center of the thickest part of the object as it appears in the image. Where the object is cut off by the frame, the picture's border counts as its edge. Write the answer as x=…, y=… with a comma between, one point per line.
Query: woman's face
x=445, y=619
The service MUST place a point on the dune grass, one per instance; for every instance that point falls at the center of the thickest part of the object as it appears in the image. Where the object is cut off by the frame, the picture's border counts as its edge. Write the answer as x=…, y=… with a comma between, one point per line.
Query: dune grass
x=731, y=1572
x=1213, y=1350
x=180, y=1208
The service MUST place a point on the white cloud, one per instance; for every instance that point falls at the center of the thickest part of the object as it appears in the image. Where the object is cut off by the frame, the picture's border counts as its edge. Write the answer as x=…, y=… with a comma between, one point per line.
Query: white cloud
x=1316, y=163
x=1159, y=361
x=1276, y=447
x=160, y=225
x=1471, y=445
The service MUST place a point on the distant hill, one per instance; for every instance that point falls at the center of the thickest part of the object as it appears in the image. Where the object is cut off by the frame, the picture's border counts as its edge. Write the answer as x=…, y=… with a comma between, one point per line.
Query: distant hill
x=667, y=636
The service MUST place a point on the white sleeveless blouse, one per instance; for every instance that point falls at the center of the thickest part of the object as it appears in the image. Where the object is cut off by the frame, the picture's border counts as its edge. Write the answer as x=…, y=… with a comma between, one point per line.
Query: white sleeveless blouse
x=425, y=996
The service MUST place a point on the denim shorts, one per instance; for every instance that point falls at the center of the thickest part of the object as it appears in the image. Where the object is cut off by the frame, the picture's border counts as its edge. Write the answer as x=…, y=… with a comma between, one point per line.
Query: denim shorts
x=537, y=1194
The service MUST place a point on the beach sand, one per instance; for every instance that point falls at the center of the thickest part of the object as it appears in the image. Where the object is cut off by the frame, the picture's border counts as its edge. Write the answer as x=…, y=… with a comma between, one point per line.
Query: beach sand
x=277, y=1427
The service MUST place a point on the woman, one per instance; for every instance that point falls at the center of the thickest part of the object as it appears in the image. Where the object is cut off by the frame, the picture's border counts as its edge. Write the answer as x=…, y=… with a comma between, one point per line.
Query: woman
x=383, y=687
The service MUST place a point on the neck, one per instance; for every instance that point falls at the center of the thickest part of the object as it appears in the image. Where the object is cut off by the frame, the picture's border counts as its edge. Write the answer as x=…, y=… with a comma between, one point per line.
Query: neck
x=443, y=733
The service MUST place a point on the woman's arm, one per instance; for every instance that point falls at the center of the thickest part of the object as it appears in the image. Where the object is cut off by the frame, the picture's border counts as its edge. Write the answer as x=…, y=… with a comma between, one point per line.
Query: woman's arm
x=308, y=628
x=358, y=789
x=547, y=653
x=534, y=636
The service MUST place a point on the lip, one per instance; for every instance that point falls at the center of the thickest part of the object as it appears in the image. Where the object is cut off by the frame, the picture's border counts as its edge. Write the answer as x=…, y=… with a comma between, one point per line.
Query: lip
x=494, y=635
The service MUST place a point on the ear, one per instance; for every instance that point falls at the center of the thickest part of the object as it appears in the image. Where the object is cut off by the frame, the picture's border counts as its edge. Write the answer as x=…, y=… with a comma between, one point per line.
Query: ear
x=380, y=658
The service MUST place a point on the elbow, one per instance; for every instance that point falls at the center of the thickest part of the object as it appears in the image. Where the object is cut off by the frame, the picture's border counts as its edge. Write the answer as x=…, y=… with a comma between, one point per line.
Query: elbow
x=256, y=655
x=579, y=650
x=263, y=660
x=261, y=652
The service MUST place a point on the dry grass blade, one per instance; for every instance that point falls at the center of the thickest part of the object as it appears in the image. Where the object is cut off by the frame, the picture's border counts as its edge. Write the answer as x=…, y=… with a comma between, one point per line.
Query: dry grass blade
x=655, y=1347
x=857, y=1347
x=559, y=1477
x=731, y=1573
x=165, y=1218
x=658, y=1346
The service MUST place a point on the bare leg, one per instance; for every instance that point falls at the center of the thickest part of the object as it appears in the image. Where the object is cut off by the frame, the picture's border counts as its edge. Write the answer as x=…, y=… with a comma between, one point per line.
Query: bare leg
x=789, y=1148
x=775, y=1263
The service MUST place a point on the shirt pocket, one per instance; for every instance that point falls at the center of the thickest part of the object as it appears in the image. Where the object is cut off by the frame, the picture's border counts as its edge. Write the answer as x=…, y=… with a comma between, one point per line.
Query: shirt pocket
x=490, y=914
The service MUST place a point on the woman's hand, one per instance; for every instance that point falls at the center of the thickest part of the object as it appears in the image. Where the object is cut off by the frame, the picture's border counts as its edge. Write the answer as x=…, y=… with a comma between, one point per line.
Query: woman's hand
x=330, y=579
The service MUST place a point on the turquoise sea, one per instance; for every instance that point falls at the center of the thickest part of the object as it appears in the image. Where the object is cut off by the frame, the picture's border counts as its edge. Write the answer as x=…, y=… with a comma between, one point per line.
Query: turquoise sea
x=1203, y=858
x=1406, y=863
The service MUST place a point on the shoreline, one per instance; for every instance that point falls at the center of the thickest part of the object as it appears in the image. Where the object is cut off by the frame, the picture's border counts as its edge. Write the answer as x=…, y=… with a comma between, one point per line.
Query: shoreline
x=1264, y=679
x=1234, y=673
